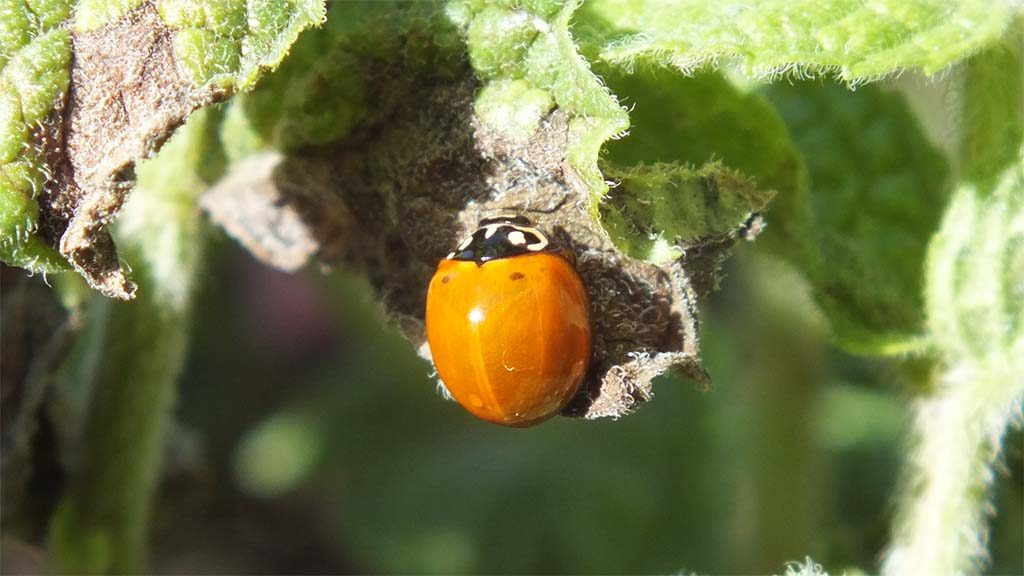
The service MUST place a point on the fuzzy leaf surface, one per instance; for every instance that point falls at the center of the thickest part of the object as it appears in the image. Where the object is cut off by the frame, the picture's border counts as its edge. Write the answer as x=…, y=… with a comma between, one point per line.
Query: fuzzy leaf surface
x=35, y=57
x=658, y=206
x=694, y=121
x=525, y=54
x=325, y=87
x=855, y=40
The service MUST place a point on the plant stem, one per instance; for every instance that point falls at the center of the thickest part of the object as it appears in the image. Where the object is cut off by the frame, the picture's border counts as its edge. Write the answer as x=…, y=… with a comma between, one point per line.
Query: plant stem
x=956, y=439
x=100, y=526
x=975, y=319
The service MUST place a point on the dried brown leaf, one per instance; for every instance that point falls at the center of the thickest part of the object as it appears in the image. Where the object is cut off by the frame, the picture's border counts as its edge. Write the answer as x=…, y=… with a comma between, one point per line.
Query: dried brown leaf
x=128, y=93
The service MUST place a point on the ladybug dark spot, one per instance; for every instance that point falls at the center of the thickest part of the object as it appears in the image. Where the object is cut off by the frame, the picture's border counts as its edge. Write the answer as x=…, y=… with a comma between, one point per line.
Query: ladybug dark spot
x=446, y=279
x=517, y=276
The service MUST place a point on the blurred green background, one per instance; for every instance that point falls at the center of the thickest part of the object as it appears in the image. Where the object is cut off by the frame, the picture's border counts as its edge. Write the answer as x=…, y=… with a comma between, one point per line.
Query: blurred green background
x=310, y=438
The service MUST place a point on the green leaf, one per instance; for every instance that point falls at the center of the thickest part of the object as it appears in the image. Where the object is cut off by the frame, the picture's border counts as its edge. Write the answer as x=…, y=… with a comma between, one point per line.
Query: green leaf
x=94, y=14
x=20, y=244
x=525, y=47
x=323, y=89
x=38, y=73
x=856, y=40
x=229, y=43
x=704, y=119
x=993, y=122
x=878, y=188
x=21, y=22
x=500, y=38
x=660, y=209
x=515, y=105
x=35, y=71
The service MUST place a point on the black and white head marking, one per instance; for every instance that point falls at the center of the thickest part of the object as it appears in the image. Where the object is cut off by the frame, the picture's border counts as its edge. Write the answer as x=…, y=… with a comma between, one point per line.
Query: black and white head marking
x=500, y=237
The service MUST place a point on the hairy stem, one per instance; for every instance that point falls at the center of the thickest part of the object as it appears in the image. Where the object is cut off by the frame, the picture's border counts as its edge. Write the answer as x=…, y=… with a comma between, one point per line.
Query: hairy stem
x=100, y=526
x=975, y=318
x=956, y=439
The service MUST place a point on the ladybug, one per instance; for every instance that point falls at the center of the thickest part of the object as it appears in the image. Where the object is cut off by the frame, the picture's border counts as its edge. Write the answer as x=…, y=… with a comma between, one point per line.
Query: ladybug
x=508, y=323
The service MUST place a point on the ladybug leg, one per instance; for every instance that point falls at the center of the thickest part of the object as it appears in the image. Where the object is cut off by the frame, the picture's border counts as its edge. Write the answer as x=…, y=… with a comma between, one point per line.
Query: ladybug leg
x=442, y=391
x=564, y=252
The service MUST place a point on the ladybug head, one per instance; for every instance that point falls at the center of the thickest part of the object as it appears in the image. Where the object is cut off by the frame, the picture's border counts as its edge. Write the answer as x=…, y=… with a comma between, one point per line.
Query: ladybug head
x=501, y=236
x=506, y=218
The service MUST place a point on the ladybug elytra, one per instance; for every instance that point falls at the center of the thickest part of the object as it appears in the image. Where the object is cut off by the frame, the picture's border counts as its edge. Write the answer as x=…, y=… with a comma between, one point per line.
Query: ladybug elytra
x=508, y=324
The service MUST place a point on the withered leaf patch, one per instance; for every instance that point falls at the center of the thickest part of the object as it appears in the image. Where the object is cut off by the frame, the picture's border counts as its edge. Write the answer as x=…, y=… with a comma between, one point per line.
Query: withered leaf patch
x=127, y=94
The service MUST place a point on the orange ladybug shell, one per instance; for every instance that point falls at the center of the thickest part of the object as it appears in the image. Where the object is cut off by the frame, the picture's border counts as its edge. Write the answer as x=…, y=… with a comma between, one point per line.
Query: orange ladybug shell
x=510, y=336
